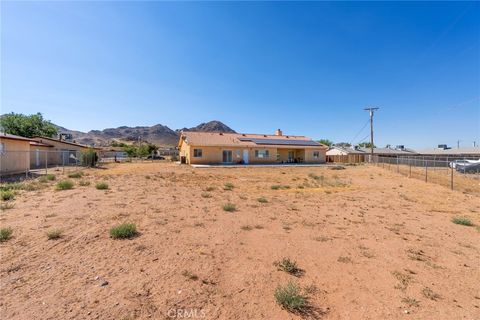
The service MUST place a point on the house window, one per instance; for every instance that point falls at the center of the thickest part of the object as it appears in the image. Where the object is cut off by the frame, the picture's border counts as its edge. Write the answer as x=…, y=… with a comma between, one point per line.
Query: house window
x=197, y=153
x=316, y=154
x=261, y=154
x=2, y=148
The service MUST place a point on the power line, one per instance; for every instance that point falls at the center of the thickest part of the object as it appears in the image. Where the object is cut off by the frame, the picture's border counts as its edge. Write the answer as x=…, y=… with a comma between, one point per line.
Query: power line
x=358, y=133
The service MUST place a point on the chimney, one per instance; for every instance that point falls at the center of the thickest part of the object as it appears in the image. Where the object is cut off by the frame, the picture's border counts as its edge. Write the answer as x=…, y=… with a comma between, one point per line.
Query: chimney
x=278, y=132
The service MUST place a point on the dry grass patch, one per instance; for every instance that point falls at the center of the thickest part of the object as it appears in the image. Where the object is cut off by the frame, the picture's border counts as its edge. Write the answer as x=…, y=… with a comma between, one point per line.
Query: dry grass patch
x=101, y=185
x=290, y=298
x=206, y=195
x=75, y=175
x=289, y=266
x=124, y=231
x=229, y=207
x=228, y=186
x=262, y=200
x=64, y=185
x=83, y=183
x=189, y=275
x=5, y=234
x=54, y=234
x=7, y=195
x=463, y=221
x=428, y=293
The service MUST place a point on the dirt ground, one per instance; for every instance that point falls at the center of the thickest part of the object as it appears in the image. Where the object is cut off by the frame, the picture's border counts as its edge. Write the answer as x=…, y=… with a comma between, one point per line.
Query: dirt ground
x=372, y=244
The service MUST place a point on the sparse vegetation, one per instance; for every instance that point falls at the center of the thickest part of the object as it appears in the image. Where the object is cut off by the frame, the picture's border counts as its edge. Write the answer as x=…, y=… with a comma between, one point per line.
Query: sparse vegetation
x=54, y=234
x=337, y=168
x=228, y=186
x=404, y=280
x=101, y=185
x=278, y=187
x=428, y=293
x=189, y=275
x=83, y=183
x=288, y=266
x=7, y=195
x=462, y=221
x=411, y=302
x=344, y=259
x=124, y=231
x=246, y=228
x=64, y=185
x=5, y=234
x=6, y=205
x=47, y=177
x=208, y=189
x=290, y=298
x=206, y=195
x=262, y=200
x=229, y=207
x=75, y=175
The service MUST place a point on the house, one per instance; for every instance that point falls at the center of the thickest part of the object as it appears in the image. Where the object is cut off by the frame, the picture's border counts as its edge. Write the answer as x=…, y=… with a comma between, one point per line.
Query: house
x=60, y=151
x=242, y=148
x=14, y=154
x=343, y=151
x=445, y=153
x=40, y=155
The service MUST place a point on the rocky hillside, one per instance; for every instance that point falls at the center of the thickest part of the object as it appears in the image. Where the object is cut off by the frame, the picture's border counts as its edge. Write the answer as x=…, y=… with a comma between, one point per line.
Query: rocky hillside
x=159, y=135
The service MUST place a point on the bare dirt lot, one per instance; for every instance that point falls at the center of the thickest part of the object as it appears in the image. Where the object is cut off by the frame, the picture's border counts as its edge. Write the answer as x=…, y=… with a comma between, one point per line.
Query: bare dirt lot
x=368, y=243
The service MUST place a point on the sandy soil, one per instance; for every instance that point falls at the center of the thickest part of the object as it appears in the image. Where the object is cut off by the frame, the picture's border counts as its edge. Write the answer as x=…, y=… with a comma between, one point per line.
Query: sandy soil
x=372, y=244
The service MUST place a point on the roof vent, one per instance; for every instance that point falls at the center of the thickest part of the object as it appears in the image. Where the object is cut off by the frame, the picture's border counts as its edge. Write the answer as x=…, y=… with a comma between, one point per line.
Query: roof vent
x=400, y=147
x=278, y=132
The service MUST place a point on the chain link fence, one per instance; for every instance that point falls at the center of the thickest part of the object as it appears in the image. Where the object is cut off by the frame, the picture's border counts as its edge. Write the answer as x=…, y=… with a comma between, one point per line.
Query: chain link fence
x=37, y=162
x=457, y=173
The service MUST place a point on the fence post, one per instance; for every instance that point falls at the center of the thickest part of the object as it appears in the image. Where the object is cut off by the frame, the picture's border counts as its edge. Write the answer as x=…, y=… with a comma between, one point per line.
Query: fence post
x=426, y=172
x=46, y=163
x=451, y=177
x=27, y=164
x=398, y=169
x=410, y=173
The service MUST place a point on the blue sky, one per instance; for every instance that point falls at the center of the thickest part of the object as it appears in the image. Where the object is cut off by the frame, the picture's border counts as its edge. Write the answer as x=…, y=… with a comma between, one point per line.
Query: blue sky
x=307, y=68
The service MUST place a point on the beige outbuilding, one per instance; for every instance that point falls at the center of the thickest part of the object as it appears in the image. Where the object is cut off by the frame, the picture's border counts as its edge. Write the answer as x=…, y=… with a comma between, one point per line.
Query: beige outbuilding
x=14, y=154
x=242, y=148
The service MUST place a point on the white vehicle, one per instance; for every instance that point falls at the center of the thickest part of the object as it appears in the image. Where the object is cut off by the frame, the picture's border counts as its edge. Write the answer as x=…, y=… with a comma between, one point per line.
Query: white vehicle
x=461, y=163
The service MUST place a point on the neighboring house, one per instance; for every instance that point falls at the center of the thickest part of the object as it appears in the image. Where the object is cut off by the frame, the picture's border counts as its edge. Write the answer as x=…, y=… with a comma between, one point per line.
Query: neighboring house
x=389, y=151
x=343, y=151
x=14, y=154
x=238, y=148
x=61, y=152
x=113, y=153
x=445, y=153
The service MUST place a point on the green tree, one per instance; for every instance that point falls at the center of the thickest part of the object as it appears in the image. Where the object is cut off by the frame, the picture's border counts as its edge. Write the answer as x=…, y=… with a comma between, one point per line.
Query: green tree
x=27, y=126
x=343, y=144
x=130, y=150
x=366, y=145
x=145, y=149
x=326, y=142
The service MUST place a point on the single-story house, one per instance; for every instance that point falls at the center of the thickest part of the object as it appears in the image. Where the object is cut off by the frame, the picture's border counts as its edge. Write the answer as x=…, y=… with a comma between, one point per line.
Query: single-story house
x=14, y=154
x=243, y=148
x=60, y=152
x=343, y=151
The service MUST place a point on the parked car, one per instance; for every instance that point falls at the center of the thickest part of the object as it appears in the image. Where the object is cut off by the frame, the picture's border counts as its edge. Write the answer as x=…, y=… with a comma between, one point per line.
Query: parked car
x=459, y=163
x=469, y=167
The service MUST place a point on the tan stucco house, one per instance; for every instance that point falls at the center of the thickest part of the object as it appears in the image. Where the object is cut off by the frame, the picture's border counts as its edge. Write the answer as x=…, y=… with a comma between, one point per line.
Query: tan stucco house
x=243, y=148
x=55, y=152
x=14, y=154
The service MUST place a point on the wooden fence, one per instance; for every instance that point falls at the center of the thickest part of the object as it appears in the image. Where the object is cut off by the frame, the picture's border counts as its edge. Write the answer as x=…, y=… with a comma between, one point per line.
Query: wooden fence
x=351, y=158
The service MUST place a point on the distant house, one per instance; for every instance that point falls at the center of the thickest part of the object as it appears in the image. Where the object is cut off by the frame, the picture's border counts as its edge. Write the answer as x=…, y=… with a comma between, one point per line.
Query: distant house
x=343, y=151
x=238, y=148
x=14, y=154
x=390, y=151
x=55, y=151
x=445, y=153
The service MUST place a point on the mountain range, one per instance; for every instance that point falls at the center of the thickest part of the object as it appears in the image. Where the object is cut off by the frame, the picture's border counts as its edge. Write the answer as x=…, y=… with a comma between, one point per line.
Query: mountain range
x=158, y=134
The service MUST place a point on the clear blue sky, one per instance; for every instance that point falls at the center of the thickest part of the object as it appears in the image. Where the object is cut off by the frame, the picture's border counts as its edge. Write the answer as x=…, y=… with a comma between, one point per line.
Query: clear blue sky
x=307, y=68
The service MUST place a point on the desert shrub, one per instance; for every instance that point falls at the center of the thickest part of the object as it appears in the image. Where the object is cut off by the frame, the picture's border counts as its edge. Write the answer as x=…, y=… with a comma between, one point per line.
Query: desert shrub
x=7, y=195
x=278, y=187
x=230, y=207
x=124, y=231
x=288, y=266
x=462, y=221
x=32, y=186
x=290, y=297
x=228, y=186
x=206, y=195
x=101, y=185
x=12, y=186
x=428, y=293
x=54, y=234
x=89, y=158
x=6, y=205
x=5, y=234
x=47, y=177
x=64, y=185
x=84, y=183
x=262, y=200
x=75, y=175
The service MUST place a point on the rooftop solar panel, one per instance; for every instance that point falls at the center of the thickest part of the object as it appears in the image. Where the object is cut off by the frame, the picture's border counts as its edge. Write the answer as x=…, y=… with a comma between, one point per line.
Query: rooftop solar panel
x=282, y=142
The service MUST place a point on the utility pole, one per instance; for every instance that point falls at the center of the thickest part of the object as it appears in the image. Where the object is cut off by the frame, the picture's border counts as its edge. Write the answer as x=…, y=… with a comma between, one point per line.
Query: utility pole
x=371, y=111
